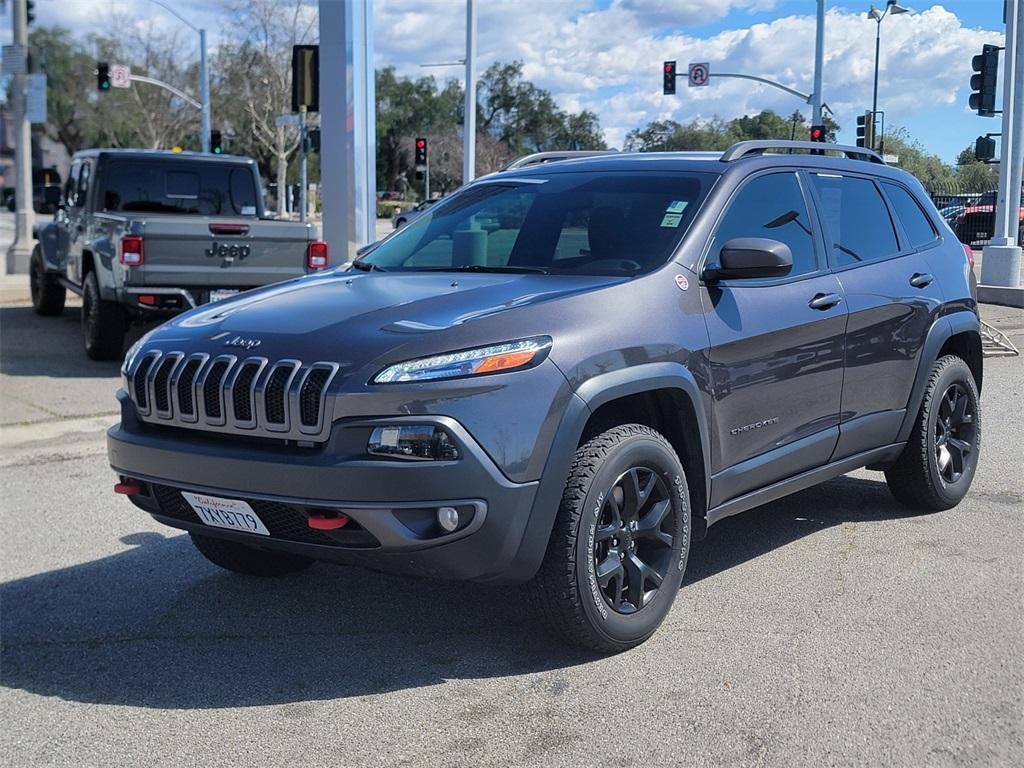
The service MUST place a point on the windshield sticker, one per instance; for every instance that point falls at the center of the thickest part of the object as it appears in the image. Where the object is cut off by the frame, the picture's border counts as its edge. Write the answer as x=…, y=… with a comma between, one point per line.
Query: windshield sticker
x=676, y=206
x=248, y=210
x=672, y=220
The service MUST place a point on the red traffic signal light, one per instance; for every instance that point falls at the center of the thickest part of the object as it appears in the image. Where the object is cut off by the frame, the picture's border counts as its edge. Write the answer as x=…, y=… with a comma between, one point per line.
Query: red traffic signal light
x=668, y=86
x=421, y=151
x=818, y=133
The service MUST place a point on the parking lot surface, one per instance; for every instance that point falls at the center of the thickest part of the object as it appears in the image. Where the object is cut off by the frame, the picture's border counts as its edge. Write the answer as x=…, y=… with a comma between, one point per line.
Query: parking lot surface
x=832, y=627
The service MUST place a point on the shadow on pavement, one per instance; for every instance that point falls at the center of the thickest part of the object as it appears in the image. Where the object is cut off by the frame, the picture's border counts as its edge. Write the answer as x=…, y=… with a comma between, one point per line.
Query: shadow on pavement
x=157, y=626
x=51, y=346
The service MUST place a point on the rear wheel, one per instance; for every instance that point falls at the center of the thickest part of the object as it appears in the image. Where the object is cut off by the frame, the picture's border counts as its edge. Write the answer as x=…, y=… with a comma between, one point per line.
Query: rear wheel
x=103, y=323
x=935, y=469
x=240, y=558
x=48, y=295
x=620, y=543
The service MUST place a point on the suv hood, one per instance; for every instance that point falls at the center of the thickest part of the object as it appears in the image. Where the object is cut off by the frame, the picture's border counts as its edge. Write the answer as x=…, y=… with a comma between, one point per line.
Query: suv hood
x=362, y=316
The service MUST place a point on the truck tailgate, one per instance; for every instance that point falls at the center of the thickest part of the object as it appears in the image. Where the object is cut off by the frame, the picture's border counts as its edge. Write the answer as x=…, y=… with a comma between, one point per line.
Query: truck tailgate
x=198, y=251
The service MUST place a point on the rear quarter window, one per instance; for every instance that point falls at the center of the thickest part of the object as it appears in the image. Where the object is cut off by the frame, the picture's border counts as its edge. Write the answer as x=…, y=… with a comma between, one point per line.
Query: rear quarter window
x=915, y=223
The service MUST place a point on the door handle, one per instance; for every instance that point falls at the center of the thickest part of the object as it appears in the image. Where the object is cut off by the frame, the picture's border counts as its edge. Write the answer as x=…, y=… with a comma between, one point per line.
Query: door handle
x=825, y=301
x=921, y=280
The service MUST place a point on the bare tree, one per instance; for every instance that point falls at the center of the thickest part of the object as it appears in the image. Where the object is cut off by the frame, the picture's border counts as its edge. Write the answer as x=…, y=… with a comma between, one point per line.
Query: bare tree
x=254, y=77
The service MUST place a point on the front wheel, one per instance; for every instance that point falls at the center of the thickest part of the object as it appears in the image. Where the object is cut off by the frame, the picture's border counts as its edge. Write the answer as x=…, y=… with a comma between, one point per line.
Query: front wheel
x=935, y=469
x=620, y=542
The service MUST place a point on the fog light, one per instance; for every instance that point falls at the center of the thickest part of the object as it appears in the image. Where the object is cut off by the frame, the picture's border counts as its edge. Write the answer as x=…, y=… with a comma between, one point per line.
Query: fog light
x=415, y=442
x=448, y=518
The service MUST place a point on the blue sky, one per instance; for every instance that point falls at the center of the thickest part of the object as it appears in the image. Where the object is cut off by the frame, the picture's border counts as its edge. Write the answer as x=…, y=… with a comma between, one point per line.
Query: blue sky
x=605, y=55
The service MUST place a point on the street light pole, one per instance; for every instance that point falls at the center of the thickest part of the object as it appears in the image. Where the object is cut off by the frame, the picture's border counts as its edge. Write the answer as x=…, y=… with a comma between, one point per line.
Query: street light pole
x=204, y=74
x=893, y=8
x=469, y=123
x=819, y=62
x=20, y=252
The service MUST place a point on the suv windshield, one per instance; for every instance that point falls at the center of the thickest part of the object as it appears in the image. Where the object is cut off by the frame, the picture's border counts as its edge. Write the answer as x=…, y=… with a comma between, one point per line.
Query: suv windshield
x=181, y=187
x=574, y=223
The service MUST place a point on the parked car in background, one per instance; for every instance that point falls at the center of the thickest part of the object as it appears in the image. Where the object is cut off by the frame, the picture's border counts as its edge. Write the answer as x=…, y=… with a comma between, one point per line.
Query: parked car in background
x=975, y=224
x=144, y=234
x=401, y=219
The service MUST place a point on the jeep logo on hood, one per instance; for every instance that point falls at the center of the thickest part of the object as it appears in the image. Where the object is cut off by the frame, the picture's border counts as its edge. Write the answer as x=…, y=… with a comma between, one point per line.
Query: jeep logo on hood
x=244, y=343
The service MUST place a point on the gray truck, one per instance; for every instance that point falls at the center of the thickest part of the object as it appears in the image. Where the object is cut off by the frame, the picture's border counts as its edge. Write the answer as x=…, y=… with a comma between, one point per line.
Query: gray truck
x=142, y=235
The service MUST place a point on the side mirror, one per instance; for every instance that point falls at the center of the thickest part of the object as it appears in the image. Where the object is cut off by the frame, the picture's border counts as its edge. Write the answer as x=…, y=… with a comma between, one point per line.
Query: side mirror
x=51, y=195
x=750, y=257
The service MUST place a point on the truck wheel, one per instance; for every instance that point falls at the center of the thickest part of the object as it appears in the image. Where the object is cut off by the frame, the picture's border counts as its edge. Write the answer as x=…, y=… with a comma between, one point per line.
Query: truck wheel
x=102, y=322
x=48, y=295
x=937, y=465
x=620, y=542
x=240, y=558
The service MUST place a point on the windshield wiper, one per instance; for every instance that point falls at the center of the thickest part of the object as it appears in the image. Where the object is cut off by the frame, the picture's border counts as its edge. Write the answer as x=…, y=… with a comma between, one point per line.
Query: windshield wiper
x=486, y=268
x=366, y=266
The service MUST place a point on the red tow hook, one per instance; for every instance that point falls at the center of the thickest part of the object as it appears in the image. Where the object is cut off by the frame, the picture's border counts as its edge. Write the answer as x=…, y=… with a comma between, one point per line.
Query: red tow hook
x=323, y=523
x=127, y=489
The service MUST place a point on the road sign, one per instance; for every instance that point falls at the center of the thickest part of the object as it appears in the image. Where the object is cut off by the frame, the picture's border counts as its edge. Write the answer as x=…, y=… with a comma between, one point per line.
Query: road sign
x=282, y=120
x=120, y=76
x=35, y=98
x=14, y=59
x=699, y=75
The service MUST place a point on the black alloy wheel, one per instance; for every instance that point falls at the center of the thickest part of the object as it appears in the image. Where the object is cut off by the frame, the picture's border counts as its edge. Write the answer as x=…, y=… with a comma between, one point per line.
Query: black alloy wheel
x=632, y=549
x=954, y=433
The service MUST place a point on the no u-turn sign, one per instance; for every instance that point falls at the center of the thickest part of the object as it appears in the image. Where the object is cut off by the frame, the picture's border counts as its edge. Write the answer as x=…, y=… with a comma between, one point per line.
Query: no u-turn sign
x=699, y=74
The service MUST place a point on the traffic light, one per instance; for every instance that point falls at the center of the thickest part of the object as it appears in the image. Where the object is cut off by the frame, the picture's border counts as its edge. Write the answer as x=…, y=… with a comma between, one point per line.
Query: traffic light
x=313, y=140
x=983, y=82
x=818, y=133
x=421, y=151
x=985, y=148
x=30, y=11
x=669, y=84
x=216, y=145
x=103, y=76
x=866, y=130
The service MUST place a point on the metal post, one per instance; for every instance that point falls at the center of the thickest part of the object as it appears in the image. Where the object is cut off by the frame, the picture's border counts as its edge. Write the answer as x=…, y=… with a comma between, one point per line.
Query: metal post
x=302, y=162
x=878, y=44
x=819, y=62
x=469, y=125
x=204, y=90
x=20, y=252
x=426, y=179
x=1000, y=265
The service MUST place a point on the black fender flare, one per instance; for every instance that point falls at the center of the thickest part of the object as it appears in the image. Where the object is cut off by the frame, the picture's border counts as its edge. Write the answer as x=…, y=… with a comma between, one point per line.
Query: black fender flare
x=49, y=236
x=943, y=329
x=588, y=397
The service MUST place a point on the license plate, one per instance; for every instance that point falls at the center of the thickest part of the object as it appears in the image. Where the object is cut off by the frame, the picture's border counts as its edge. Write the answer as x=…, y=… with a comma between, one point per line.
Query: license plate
x=219, y=294
x=232, y=514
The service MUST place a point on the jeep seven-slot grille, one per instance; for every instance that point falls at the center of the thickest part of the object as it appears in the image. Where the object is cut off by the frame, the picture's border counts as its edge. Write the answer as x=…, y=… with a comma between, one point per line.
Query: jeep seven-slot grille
x=284, y=399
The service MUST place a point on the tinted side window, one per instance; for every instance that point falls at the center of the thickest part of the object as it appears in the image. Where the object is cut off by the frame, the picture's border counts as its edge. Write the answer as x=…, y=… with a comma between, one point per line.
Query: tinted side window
x=856, y=218
x=71, y=186
x=770, y=206
x=915, y=223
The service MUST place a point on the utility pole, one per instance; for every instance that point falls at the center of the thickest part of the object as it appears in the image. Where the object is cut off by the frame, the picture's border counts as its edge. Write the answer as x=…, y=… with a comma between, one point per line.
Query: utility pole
x=20, y=252
x=1000, y=265
x=469, y=125
x=302, y=162
x=204, y=90
x=819, y=62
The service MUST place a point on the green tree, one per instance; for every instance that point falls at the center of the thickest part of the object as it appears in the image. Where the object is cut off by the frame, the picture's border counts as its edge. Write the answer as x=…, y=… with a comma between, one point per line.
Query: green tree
x=929, y=168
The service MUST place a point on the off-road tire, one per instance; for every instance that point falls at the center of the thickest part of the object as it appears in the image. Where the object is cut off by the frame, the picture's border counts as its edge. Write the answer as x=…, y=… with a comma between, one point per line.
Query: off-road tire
x=250, y=561
x=103, y=322
x=563, y=589
x=915, y=479
x=48, y=295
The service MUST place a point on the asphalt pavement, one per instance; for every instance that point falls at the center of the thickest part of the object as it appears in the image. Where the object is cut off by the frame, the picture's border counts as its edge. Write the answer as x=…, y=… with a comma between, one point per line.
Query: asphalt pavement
x=833, y=627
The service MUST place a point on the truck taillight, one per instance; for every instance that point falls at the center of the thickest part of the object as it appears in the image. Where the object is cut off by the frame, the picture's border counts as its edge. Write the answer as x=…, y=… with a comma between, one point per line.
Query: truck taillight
x=132, y=253
x=316, y=255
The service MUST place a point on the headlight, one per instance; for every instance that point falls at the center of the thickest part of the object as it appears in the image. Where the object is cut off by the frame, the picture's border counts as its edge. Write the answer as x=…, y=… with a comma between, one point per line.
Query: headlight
x=130, y=356
x=496, y=358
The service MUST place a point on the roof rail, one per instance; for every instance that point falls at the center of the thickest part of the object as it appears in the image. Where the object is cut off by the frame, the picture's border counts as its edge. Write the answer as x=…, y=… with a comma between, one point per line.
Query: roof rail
x=759, y=147
x=538, y=158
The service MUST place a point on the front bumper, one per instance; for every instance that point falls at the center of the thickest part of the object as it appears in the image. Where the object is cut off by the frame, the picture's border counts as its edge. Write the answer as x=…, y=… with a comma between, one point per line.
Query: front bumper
x=388, y=499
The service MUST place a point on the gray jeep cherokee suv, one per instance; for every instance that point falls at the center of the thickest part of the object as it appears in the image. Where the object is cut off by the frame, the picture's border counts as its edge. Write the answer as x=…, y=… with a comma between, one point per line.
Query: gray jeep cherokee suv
x=563, y=374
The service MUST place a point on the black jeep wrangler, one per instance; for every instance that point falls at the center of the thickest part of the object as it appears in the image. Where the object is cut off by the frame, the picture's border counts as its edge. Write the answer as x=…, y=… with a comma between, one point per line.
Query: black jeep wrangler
x=563, y=374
